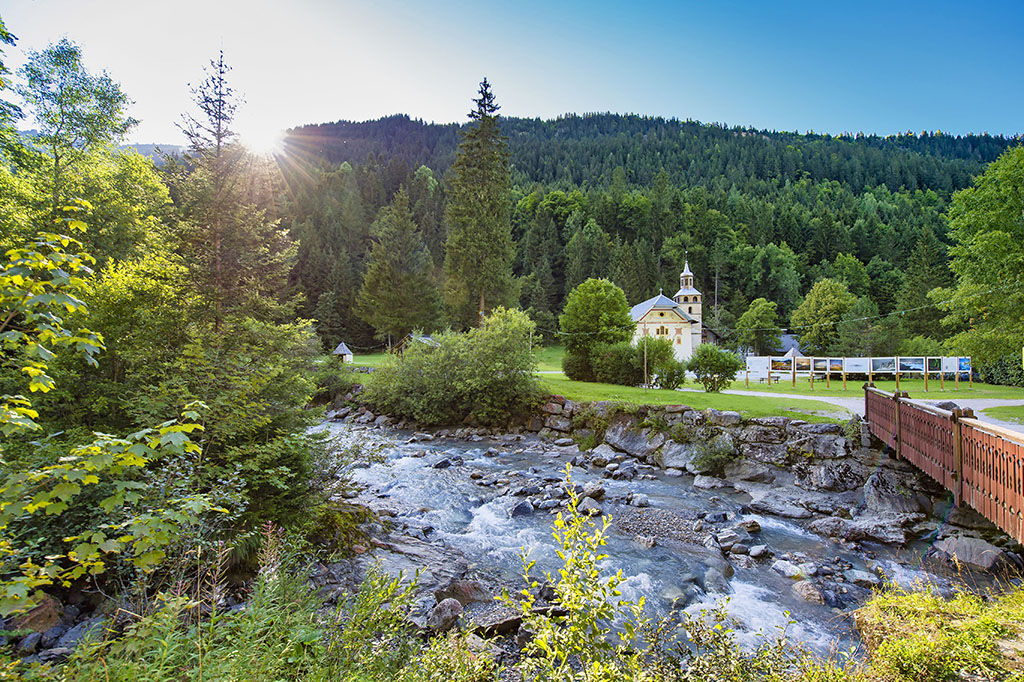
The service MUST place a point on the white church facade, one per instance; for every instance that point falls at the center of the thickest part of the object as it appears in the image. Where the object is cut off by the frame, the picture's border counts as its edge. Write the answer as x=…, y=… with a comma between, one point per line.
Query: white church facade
x=678, y=319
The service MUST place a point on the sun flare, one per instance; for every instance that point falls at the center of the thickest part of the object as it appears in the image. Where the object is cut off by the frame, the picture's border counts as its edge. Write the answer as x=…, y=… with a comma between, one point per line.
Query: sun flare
x=267, y=142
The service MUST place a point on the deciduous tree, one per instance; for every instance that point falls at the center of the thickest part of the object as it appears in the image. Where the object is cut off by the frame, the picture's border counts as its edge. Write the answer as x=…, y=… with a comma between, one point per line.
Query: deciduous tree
x=816, y=318
x=758, y=327
x=75, y=111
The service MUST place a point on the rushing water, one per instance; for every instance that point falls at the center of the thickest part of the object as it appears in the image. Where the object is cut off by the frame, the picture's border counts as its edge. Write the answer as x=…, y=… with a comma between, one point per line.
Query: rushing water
x=445, y=506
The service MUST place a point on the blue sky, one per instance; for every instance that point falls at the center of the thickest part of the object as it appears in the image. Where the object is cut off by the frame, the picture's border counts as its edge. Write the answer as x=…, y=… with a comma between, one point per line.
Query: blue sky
x=879, y=67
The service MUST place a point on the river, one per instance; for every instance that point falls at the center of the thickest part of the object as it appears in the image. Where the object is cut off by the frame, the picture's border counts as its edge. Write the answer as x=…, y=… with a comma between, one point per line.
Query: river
x=447, y=507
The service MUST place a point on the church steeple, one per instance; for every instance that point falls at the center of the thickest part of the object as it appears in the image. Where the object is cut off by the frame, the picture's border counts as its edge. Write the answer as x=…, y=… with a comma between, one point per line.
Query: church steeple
x=686, y=277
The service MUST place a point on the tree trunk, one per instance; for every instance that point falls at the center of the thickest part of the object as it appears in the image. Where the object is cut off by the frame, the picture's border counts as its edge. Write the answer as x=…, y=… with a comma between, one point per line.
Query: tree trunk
x=480, y=321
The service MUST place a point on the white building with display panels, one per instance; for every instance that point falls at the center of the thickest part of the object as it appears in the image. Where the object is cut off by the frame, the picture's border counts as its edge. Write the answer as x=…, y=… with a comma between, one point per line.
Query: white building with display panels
x=678, y=319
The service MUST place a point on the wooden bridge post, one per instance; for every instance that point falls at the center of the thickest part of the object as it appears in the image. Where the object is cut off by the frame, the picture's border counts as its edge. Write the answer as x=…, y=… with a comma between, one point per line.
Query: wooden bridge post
x=958, y=458
x=897, y=396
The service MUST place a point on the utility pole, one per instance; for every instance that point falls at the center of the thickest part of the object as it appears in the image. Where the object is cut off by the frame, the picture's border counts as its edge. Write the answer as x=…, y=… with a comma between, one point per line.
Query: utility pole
x=645, y=356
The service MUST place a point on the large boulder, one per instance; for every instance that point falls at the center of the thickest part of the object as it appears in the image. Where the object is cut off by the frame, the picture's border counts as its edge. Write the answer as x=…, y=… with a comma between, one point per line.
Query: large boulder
x=766, y=453
x=602, y=454
x=623, y=435
x=887, y=529
x=974, y=552
x=92, y=627
x=723, y=417
x=884, y=492
x=773, y=502
x=524, y=508
x=808, y=591
x=558, y=423
x=464, y=591
x=445, y=615
x=590, y=507
x=745, y=470
x=41, y=617
x=756, y=433
x=837, y=476
x=677, y=455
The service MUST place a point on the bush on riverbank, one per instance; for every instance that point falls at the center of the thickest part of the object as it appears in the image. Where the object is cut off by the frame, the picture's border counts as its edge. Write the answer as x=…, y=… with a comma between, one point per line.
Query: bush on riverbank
x=485, y=375
x=917, y=635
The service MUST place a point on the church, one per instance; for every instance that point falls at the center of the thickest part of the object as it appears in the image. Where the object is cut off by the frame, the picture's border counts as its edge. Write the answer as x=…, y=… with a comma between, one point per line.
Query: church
x=678, y=319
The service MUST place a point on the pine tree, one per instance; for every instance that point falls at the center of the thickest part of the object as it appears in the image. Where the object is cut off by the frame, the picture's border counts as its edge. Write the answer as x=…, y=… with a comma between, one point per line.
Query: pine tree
x=398, y=294
x=926, y=270
x=479, y=251
x=240, y=259
x=587, y=255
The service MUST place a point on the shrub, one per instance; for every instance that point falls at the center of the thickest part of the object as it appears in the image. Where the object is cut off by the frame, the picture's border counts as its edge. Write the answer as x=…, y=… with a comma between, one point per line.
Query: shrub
x=672, y=374
x=483, y=375
x=715, y=368
x=616, y=363
x=713, y=457
x=1004, y=371
x=333, y=380
x=623, y=363
x=578, y=645
x=577, y=367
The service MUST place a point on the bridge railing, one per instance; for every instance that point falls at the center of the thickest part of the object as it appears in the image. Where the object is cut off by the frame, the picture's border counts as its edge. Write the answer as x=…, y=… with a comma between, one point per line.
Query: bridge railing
x=982, y=464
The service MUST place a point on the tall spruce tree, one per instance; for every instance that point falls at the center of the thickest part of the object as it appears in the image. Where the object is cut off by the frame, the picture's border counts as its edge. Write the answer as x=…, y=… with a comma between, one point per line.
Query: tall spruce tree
x=238, y=257
x=398, y=292
x=479, y=251
x=926, y=269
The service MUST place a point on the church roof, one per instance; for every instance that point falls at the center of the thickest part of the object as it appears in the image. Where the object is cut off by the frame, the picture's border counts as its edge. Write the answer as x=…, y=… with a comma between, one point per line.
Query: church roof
x=686, y=268
x=688, y=291
x=342, y=349
x=660, y=301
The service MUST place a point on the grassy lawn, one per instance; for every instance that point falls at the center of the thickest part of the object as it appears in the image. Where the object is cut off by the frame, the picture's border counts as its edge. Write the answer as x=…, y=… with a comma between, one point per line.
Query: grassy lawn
x=370, y=360
x=915, y=387
x=751, y=406
x=1012, y=413
x=549, y=359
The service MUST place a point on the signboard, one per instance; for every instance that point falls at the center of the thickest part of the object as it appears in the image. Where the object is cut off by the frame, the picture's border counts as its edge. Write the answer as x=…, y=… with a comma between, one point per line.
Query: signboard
x=761, y=366
x=883, y=365
x=758, y=366
x=858, y=365
x=912, y=365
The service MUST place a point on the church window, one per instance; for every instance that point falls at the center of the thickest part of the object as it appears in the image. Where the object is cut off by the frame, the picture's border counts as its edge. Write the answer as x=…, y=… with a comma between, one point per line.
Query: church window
x=662, y=330
x=689, y=308
x=679, y=342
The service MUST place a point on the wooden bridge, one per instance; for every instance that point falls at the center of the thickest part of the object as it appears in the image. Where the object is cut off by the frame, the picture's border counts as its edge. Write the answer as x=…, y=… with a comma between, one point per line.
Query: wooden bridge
x=982, y=464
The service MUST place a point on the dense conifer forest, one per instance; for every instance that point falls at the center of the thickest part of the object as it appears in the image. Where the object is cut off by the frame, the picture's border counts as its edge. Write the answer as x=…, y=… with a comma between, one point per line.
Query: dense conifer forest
x=758, y=214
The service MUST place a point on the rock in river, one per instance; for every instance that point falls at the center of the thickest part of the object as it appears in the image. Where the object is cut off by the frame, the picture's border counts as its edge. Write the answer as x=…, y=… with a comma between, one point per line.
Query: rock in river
x=444, y=616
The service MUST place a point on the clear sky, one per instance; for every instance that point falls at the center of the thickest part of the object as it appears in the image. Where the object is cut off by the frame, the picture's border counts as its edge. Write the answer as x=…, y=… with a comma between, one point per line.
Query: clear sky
x=869, y=66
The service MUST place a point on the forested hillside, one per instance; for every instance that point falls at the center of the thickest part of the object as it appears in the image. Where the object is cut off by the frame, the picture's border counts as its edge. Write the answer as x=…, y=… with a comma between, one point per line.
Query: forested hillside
x=758, y=214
